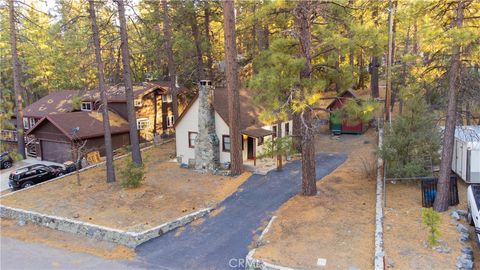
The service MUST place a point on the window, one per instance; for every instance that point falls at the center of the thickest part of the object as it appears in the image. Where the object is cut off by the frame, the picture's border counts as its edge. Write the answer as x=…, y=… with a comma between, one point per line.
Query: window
x=137, y=102
x=170, y=121
x=260, y=141
x=191, y=139
x=167, y=98
x=142, y=123
x=86, y=106
x=274, y=130
x=225, y=143
x=287, y=129
x=32, y=122
x=25, y=123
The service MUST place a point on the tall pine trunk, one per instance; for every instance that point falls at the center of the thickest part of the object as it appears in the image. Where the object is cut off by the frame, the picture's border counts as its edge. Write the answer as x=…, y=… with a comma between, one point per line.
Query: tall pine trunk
x=127, y=79
x=374, y=65
x=232, y=87
x=16, y=80
x=443, y=186
x=167, y=33
x=101, y=84
x=209, y=42
x=302, y=14
x=198, y=45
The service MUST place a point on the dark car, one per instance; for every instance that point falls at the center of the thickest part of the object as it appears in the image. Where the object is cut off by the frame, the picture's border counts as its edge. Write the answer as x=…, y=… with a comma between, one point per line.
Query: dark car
x=6, y=160
x=34, y=174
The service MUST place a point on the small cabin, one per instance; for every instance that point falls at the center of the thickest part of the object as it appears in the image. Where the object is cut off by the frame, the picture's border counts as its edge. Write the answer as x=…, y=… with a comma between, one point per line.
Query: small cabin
x=338, y=123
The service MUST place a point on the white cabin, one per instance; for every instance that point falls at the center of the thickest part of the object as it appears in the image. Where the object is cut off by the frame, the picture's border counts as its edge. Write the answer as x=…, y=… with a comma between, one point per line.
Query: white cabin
x=254, y=133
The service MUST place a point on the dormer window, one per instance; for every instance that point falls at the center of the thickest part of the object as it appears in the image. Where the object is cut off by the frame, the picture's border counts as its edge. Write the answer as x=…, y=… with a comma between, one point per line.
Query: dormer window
x=167, y=98
x=25, y=123
x=86, y=106
x=32, y=122
x=137, y=103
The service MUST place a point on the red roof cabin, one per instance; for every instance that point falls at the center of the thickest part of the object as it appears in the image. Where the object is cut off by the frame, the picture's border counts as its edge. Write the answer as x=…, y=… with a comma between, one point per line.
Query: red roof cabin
x=338, y=123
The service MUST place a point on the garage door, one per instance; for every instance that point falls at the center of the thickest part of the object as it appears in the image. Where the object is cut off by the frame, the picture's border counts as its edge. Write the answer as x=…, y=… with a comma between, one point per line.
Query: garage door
x=56, y=151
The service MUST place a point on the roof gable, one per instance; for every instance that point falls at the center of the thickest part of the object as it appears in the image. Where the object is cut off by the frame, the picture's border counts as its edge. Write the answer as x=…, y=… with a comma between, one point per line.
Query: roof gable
x=56, y=102
x=249, y=111
x=88, y=124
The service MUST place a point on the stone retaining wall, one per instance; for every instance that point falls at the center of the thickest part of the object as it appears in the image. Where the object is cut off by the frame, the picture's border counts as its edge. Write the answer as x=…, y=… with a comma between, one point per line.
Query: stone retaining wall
x=129, y=239
x=252, y=263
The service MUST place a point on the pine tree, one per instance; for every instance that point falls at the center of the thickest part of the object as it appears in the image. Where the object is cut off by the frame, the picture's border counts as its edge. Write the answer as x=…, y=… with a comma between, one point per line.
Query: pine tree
x=16, y=80
x=232, y=87
x=127, y=78
x=103, y=95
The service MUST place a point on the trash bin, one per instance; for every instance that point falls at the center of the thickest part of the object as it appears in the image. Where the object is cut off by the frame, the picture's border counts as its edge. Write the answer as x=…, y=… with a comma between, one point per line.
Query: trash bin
x=429, y=191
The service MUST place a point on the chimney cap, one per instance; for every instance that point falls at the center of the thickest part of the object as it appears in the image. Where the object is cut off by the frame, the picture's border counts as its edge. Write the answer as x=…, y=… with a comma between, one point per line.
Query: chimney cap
x=205, y=82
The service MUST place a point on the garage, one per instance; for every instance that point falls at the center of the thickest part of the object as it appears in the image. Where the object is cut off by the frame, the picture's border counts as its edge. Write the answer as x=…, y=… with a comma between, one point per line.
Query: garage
x=55, y=151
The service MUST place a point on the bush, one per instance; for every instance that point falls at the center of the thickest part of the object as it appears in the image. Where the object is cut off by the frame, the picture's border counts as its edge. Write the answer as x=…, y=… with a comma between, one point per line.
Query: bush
x=431, y=219
x=412, y=143
x=132, y=175
x=15, y=155
x=363, y=112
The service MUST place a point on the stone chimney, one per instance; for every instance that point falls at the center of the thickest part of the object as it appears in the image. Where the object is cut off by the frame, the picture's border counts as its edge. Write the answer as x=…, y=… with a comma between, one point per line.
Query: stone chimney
x=207, y=155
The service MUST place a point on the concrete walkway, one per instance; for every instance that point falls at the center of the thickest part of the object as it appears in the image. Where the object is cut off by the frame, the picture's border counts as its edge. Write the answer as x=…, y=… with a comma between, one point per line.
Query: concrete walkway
x=222, y=241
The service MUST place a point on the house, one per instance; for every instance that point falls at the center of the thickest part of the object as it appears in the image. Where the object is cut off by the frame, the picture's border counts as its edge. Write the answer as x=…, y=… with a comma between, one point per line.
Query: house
x=208, y=113
x=153, y=109
x=57, y=135
x=340, y=124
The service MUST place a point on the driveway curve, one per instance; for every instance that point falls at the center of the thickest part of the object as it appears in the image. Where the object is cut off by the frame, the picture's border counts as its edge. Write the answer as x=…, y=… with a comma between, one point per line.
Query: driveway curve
x=222, y=240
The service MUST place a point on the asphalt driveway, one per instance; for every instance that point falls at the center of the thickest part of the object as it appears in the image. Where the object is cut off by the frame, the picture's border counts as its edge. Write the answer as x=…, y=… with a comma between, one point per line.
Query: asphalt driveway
x=222, y=240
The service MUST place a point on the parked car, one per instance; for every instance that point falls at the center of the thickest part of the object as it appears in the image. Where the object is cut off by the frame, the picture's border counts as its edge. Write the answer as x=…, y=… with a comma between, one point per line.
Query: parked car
x=33, y=174
x=6, y=161
x=473, y=202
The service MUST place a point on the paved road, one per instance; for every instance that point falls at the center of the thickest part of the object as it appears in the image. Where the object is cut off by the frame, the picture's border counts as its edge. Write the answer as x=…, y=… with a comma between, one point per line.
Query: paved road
x=15, y=254
x=221, y=241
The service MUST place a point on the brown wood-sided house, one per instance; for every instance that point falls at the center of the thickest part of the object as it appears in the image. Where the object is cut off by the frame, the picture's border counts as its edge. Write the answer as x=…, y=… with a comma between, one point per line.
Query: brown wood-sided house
x=49, y=121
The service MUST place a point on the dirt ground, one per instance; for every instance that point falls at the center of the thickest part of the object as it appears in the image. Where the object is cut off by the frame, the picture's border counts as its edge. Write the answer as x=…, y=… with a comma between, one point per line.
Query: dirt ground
x=336, y=225
x=405, y=234
x=167, y=193
x=71, y=242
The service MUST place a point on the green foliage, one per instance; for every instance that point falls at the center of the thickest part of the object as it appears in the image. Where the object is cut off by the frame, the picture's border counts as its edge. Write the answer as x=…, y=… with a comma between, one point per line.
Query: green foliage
x=431, y=219
x=15, y=155
x=336, y=117
x=412, y=141
x=362, y=112
x=131, y=174
x=76, y=103
x=282, y=146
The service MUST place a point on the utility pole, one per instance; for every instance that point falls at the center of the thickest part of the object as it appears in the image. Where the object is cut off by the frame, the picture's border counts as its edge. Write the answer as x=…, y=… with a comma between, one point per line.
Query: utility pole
x=388, y=94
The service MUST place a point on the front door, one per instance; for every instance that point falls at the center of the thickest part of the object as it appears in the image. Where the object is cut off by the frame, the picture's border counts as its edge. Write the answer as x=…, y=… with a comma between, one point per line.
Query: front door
x=250, y=148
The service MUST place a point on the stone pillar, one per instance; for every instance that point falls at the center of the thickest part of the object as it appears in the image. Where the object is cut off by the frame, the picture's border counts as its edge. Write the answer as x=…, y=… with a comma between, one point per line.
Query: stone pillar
x=207, y=155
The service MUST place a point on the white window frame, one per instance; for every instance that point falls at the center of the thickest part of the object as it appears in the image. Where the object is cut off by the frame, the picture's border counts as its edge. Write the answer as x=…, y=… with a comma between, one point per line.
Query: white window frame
x=137, y=102
x=86, y=104
x=25, y=123
x=32, y=121
x=170, y=120
x=167, y=98
x=142, y=123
